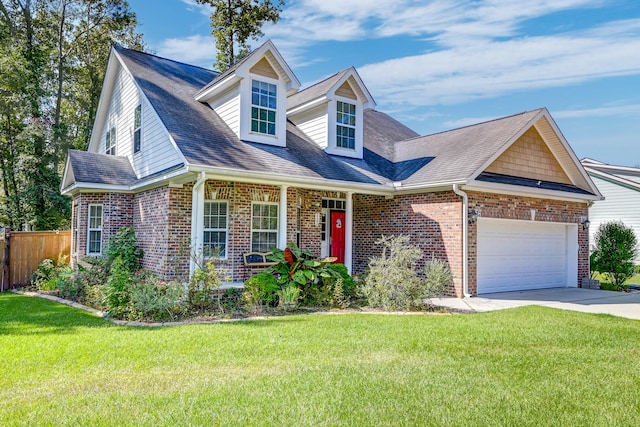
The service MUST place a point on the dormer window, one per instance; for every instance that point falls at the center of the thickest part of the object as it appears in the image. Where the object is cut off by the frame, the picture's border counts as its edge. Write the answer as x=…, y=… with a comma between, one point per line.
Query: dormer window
x=263, y=107
x=346, y=125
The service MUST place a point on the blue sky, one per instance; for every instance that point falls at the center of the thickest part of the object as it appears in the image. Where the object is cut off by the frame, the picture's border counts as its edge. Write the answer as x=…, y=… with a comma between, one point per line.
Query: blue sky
x=437, y=65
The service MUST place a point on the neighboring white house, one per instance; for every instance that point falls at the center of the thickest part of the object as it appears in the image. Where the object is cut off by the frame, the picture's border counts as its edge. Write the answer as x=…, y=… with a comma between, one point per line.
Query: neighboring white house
x=620, y=185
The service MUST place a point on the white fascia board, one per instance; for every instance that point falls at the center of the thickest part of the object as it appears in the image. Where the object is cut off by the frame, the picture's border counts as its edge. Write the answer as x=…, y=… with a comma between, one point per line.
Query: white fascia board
x=65, y=174
x=308, y=105
x=369, y=103
x=145, y=184
x=106, y=93
x=292, y=86
x=613, y=178
x=219, y=87
x=568, y=149
x=516, y=190
x=613, y=168
x=300, y=182
x=91, y=187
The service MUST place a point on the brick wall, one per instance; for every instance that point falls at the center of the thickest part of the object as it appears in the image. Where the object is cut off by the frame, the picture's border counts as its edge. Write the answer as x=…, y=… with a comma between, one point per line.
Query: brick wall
x=117, y=212
x=433, y=220
x=514, y=207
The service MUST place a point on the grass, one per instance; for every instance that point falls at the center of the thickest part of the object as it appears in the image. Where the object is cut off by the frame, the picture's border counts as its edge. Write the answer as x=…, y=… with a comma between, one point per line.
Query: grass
x=531, y=366
x=633, y=280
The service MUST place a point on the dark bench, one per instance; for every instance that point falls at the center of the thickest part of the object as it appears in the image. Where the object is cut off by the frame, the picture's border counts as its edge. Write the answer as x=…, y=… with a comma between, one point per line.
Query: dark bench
x=256, y=260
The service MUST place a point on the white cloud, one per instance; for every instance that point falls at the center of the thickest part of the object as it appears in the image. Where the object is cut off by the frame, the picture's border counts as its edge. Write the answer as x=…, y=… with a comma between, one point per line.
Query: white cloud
x=196, y=50
x=604, y=111
x=486, y=68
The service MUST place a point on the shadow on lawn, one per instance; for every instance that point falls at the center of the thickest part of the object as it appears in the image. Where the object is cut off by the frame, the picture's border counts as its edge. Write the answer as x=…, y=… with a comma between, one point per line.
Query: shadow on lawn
x=23, y=315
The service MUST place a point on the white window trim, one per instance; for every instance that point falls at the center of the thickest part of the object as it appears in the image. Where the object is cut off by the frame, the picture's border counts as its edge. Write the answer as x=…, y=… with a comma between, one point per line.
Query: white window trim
x=226, y=230
x=275, y=110
x=90, y=229
x=133, y=145
x=280, y=138
x=111, y=134
x=258, y=230
x=332, y=147
x=347, y=126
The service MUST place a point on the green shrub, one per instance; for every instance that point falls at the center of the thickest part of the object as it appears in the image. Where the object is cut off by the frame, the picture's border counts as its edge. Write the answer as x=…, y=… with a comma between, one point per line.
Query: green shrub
x=288, y=297
x=231, y=299
x=124, y=245
x=259, y=290
x=118, y=290
x=348, y=283
x=154, y=299
x=392, y=281
x=203, y=288
x=614, y=251
x=437, y=278
x=41, y=278
x=50, y=276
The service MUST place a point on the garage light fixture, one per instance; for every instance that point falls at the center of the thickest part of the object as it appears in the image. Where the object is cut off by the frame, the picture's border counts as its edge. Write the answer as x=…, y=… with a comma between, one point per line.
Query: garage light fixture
x=585, y=223
x=473, y=217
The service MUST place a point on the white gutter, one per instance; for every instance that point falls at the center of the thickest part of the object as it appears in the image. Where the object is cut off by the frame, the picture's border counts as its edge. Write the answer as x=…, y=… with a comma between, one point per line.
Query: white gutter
x=465, y=240
x=196, y=204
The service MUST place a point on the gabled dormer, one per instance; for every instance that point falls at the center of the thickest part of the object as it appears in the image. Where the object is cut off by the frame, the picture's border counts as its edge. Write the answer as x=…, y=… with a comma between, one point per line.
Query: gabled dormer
x=251, y=96
x=331, y=113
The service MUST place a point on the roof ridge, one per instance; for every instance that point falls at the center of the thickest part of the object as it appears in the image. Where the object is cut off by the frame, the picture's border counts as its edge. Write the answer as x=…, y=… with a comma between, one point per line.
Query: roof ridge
x=475, y=124
x=119, y=47
x=320, y=81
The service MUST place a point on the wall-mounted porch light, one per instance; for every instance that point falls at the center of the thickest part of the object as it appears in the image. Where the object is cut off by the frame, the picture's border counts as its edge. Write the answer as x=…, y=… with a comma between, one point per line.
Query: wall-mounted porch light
x=473, y=217
x=585, y=223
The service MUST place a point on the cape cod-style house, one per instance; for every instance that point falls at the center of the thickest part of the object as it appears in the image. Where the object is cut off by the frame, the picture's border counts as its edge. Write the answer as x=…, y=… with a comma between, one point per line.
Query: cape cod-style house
x=246, y=160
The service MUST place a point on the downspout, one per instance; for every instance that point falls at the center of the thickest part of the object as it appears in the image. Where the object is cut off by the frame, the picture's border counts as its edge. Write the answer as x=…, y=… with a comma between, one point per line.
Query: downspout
x=465, y=240
x=195, y=217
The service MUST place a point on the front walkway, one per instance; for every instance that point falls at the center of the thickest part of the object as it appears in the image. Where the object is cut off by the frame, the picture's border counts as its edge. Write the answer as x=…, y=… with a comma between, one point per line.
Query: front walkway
x=622, y=304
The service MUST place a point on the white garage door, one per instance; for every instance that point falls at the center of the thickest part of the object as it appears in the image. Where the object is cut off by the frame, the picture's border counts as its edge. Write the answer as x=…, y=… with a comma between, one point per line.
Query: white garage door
x=517, y=255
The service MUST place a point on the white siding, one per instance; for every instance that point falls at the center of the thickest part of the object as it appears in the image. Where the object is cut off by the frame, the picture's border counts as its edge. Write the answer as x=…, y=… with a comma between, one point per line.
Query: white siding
x=314, y=124
x=620, y=204
x=227, y=106
x=157, y=152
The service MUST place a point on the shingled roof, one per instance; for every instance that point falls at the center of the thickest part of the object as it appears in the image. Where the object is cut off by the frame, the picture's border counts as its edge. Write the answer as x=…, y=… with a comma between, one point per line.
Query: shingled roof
x=98, y=168
x=392, y=153
x=205, y=140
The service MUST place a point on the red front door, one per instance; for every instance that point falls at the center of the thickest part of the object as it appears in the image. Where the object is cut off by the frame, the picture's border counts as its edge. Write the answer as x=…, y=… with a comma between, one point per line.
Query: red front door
x=337, y=235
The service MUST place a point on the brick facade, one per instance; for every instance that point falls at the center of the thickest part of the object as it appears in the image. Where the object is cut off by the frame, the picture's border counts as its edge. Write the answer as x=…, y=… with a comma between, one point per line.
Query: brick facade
x=162, y=220
x=515, y=207
x=433, y=220
x=117, y=212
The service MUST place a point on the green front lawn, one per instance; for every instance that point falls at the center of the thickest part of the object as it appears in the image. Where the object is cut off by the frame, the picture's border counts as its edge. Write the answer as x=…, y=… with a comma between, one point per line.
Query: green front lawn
x=530, y=366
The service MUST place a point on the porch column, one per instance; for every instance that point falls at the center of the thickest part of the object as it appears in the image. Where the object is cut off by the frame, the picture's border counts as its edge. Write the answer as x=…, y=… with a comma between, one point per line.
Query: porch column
x=348, y=232
x=282, y=218
x=197, y=222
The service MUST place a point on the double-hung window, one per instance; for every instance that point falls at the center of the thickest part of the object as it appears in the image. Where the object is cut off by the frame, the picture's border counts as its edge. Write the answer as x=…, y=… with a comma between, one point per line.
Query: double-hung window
x=215, y=228
x=94, y=234
x=346, y=125
x=110, y=141
x=137, y=128
x=264, y=227
x=263, y=107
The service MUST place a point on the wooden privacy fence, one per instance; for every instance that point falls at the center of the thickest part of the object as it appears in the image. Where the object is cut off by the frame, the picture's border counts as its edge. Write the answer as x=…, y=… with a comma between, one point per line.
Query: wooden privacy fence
x=22, y=251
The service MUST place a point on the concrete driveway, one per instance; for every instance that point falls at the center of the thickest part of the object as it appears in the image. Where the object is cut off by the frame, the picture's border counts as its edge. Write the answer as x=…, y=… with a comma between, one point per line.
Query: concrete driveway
x=622, y=304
